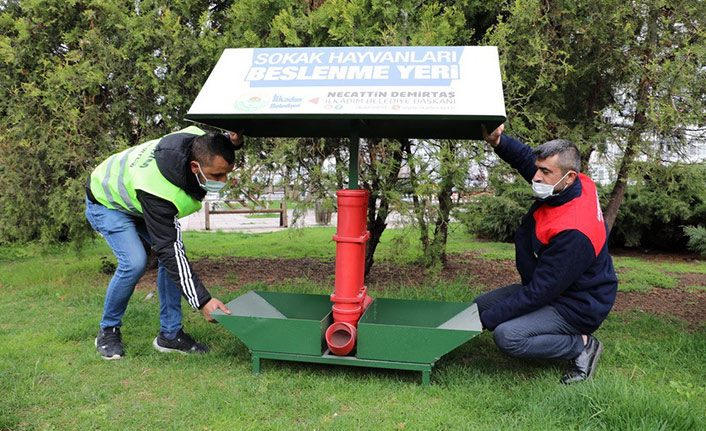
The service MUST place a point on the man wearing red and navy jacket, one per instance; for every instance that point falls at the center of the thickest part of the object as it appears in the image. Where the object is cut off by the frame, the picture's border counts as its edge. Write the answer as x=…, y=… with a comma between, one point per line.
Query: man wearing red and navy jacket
x=568, y=280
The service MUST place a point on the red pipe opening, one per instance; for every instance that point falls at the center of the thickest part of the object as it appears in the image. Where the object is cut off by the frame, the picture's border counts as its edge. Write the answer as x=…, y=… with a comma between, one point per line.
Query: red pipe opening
x=349, y=297
x=341, y=337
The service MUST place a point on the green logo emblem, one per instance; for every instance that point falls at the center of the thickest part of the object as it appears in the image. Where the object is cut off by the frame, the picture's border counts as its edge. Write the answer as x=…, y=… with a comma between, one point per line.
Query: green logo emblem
x=250, y=102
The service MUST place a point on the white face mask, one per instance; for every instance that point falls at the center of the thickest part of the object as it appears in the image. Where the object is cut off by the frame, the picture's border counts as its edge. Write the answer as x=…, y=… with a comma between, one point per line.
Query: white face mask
x=544, y=191
x=210, y=185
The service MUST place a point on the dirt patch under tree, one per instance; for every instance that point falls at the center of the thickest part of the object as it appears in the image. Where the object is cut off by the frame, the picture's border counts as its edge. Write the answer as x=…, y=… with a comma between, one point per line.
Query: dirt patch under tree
x=683, y=301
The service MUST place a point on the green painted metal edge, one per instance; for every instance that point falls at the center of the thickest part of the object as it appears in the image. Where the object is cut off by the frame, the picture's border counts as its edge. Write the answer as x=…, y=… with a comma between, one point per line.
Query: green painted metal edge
x=279, y=322
x=415, y=331
x=394, y=127
x=344, y=360
x=408, y=344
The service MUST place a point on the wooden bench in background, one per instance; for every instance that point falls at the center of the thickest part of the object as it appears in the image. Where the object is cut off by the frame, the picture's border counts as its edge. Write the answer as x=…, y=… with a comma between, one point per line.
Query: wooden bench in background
x=213, y=207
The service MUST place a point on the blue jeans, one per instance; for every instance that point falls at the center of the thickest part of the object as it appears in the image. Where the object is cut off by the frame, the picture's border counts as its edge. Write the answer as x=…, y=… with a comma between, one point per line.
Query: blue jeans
x=543, y=333
x=122, y=232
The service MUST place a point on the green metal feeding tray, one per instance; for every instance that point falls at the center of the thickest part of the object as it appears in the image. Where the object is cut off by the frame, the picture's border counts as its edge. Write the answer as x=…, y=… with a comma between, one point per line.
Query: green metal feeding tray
x=418, y=92
x=415, y=331
x=393, y=333
x=280, y=322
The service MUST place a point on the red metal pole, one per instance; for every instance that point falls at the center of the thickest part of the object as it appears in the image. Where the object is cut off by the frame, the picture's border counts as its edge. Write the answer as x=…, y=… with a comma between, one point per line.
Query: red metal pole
x=349, y=296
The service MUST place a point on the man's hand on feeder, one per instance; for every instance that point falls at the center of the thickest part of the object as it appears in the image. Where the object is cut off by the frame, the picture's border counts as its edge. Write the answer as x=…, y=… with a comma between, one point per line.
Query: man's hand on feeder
x=236, y=138
x=212, y=305
x=493, y=138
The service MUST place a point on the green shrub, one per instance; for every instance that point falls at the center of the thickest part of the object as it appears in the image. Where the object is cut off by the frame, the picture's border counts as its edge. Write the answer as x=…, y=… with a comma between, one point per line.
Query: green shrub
x=80, y=81
x=655, y=208
x=697, y=239
x=653, y=214
x=497, y=217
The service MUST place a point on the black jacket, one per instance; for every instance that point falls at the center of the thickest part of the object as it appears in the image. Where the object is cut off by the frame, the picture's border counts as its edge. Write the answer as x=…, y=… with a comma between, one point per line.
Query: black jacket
x=561, y=253
x=161, y=216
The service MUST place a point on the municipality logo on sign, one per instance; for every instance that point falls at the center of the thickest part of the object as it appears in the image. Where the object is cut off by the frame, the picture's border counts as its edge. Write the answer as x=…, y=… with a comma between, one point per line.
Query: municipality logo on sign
x=286, y=102
x=250, y=102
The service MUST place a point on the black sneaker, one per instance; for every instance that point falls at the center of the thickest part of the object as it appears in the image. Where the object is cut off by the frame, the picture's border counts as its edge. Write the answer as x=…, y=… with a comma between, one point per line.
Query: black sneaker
x=109, y=344
x=183, y=343
x=583, y=367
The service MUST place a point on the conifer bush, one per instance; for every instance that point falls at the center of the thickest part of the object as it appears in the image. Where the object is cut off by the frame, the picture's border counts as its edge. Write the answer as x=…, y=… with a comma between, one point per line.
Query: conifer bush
x=497, y=216
x=697, y=239
x=659, y=204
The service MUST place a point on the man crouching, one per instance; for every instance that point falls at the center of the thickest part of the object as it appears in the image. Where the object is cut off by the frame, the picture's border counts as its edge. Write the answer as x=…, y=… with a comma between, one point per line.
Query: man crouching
x=561, y=252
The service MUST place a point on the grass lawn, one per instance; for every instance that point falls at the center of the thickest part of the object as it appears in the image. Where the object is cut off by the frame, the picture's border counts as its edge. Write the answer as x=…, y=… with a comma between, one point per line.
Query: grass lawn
x=651, y=375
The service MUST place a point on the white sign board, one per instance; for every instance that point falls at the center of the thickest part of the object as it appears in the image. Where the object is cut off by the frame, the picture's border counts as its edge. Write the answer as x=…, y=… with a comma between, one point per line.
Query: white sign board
x=254, y=88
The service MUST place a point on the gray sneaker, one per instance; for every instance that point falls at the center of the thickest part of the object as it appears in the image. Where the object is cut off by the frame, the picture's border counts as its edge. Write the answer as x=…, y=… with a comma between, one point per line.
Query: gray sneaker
x=183, y=343
x=109, y=344
x=584, y=366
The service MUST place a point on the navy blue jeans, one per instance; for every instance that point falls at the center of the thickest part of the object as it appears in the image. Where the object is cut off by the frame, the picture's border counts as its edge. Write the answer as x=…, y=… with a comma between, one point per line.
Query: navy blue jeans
x=122, y=232
x=543, y=333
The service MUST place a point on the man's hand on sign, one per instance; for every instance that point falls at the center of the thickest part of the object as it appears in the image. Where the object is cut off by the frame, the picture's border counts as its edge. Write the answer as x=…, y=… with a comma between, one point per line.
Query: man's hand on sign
x=212, y=305
x=493, y=138
x=236, y=138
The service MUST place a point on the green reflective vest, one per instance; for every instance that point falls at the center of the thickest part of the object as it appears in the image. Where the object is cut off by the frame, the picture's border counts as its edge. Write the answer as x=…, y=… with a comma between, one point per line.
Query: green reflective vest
x=114, y=183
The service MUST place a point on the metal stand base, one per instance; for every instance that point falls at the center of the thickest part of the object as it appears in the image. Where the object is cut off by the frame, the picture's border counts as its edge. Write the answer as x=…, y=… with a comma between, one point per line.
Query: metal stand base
x=328, y=358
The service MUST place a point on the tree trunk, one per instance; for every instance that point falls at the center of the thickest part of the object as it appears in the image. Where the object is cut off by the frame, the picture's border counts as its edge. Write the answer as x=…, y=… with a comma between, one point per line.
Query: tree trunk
x=436, y=253
x=621, y=182
x=585, y=159
x=418, y=205
x=376, y=226
x=340, y=169
x=638, y=126
x=377, y=214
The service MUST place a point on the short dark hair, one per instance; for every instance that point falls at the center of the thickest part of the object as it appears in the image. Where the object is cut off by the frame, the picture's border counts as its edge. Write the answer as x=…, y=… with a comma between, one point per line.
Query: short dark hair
x=206, y=147
x=569, y=155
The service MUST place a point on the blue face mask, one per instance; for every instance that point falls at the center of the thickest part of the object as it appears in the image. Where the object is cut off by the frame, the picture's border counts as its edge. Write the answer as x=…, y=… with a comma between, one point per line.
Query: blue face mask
x=210, y=185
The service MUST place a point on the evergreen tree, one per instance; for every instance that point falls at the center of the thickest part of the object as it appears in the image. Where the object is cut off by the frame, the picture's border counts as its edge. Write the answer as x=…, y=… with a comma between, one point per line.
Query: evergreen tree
x=605, y=72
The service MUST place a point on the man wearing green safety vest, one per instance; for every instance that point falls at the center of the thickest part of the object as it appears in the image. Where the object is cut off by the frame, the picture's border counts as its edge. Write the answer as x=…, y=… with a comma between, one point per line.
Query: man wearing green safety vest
x=142, y=192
